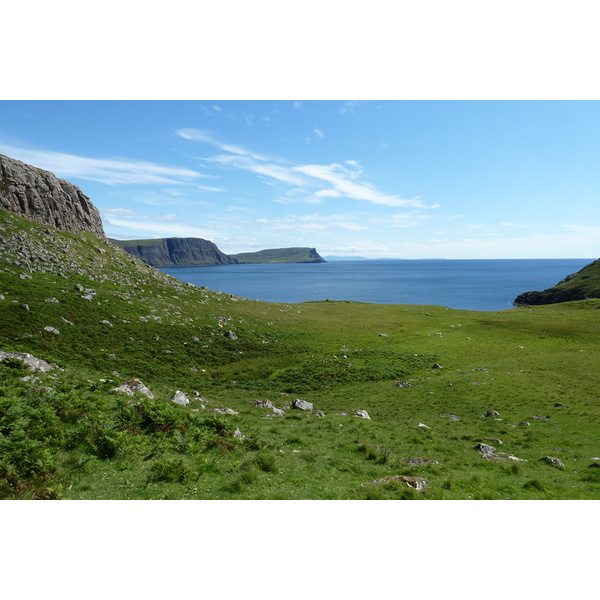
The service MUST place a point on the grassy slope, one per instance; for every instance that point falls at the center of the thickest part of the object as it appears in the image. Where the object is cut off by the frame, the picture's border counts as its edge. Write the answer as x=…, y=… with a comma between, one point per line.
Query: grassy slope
x=579, y=286
x=67, y=436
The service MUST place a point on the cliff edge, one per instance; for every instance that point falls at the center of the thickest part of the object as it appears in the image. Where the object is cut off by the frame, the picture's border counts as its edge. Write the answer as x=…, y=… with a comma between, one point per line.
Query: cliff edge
x=175, y=252
x=43, y=198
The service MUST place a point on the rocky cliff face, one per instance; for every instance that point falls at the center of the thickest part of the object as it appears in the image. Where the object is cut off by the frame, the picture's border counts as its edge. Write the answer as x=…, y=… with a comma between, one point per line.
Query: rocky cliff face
x=176, y=252
x=42, y=197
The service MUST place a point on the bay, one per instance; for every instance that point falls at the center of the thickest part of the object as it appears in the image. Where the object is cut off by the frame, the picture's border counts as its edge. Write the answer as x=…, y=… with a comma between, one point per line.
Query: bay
x=483, y=285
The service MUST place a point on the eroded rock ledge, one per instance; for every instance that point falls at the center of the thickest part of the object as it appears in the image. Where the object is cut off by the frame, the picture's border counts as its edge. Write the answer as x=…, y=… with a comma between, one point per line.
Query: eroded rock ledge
x=42, y=197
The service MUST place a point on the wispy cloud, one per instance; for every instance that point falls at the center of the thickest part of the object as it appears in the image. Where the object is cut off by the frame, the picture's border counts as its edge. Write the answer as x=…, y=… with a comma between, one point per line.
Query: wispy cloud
x=313, y=221
x=210, y=189
x=104, y=170
x=319, y=133
x=344, y=182
x=158, y=228
x=119, y=212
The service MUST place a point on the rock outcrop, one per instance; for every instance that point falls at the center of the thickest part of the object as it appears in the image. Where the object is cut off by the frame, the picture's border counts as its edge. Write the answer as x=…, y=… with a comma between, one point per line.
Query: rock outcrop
x=176, y=252
x=43, y=198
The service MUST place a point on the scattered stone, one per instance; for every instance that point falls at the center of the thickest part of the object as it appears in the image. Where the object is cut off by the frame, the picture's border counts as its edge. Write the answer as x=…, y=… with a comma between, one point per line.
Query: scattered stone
x=180, y=398
x=595, y=465
x=223, y=411
x=55, y=300
x=383, y=335
x=524, y=424
x=418, y=483
x=105, y=322
x=552, y=460
x=436, y=366
x=67, y=321
x=451, y=417
x=361, y=414
x=422, y=425
x=230, y=335
x=402, y=384
x=319, y=413
x=238, y=434
x=511, y=457
x=302, y=404
x=24, y=276
x=419, y=461
x=484, y=448
x=133, y=386
x=494, y=440
x=79, y=288
x=494, y=457
x=25, y=307
x=277, y=412
x=50, y=329
x=557, y=404
x=491, y=413
x=30, y=379
x=539, y=418
x=2, y=297
x=263, y=403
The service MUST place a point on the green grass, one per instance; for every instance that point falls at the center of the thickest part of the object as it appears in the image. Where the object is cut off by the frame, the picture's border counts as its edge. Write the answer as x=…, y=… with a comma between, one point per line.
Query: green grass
x=68, y=436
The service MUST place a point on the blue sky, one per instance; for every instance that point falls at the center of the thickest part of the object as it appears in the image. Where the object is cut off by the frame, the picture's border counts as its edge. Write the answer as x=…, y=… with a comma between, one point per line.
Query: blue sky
x=401, y=178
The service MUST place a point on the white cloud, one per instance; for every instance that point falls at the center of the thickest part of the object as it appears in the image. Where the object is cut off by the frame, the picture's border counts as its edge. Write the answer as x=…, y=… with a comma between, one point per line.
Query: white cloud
x=159, y=229
x=313, y=221
x=119, y=212
x=341, y=179
x=210, y=189
x=344, y=181
x=319, y=133
x=109, y=171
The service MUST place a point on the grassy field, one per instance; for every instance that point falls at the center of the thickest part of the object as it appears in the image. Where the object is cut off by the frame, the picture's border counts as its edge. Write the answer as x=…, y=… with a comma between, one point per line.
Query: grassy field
x=426, y=376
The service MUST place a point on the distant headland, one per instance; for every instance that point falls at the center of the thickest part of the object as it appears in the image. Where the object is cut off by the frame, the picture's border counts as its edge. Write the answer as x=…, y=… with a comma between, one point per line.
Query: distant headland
x=197, y=252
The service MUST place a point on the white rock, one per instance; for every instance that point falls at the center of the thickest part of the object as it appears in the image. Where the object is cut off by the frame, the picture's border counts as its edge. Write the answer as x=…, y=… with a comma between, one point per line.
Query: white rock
x=180, y=398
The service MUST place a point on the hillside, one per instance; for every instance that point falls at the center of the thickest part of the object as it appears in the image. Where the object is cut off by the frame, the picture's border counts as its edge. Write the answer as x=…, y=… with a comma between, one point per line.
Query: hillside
x=280, y=255
x=175, y=252
x=578, y=286
x=120, y=382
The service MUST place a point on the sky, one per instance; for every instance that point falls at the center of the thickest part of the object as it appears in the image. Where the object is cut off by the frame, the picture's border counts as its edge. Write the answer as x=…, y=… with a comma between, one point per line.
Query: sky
x=396, y=178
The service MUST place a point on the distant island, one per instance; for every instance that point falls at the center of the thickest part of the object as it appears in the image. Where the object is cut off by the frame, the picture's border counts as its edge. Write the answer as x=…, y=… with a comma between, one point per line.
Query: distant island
x=197, y=252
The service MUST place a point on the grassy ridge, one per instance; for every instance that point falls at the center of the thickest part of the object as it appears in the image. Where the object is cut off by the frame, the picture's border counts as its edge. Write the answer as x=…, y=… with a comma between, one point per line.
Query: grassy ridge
x=578, y=286
x=67, y=435
x=279, y=255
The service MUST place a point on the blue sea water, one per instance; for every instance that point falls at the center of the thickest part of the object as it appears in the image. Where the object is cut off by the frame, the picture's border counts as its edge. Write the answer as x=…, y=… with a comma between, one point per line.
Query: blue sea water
x=485, y=285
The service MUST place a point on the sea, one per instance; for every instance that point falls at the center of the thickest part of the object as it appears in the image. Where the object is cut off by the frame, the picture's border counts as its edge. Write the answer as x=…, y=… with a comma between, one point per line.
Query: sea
x=481, y=285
